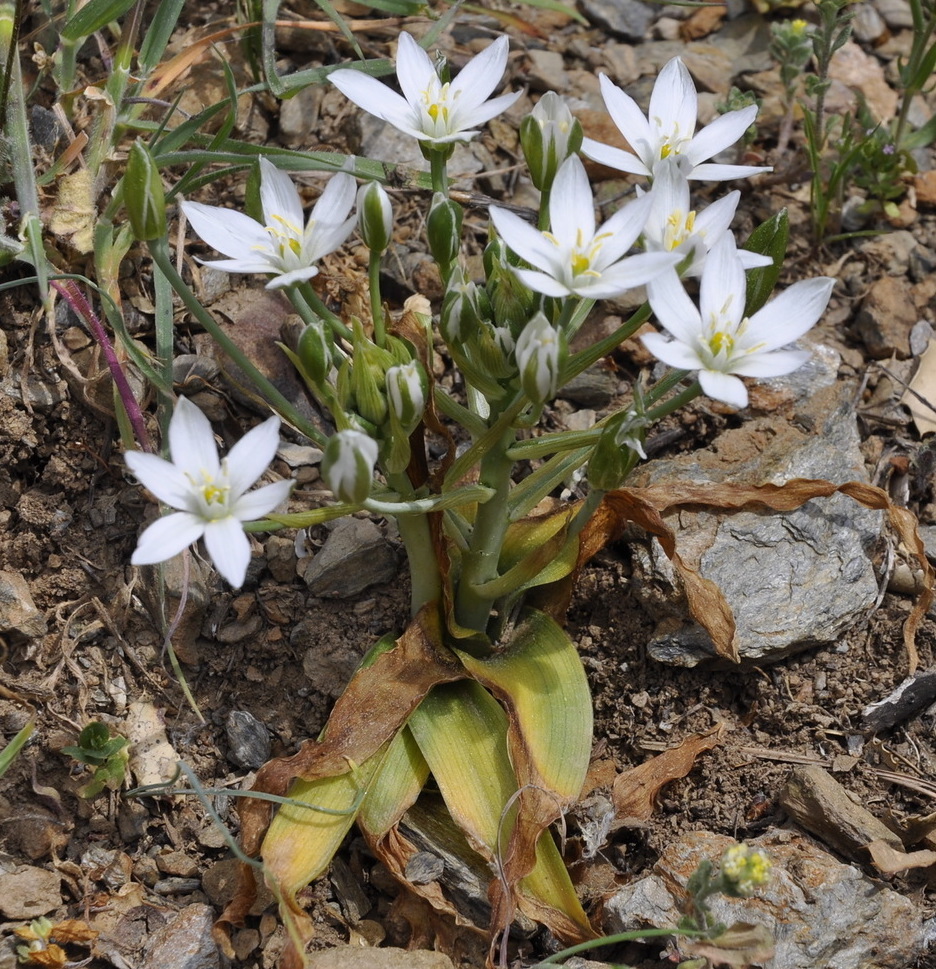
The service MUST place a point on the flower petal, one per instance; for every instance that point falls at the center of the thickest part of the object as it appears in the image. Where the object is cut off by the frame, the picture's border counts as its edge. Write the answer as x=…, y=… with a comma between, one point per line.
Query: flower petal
x=724, y=387
x=716, y=219
x=162, y=478
x=623, y=227
x=241, y=265
x=479, y=78
x=336, y=200
x=626, y=274
x=710, y=172
x=792, y=313
x=251, y=456
x=167, y=537
x=674, y=106
x=753, y=260
x=484, y=112
x=627, y=117
x=617, y=158
x=723, y=132
x=541, y=283
x=526, y=241
x=233, y=234
x=723, y=289
x=375, y=98
x=571, y=203
x=671, y=352
x=229, y=549
x=283, y=280
x=326, y=237
x=773, y=364
x=191, y=440
x=278, y=196
x=414, y=68
x=674, y=309
x=256, y=504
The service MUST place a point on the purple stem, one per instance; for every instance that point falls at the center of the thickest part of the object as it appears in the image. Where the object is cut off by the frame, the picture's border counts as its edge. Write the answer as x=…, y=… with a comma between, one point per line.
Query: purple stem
x=72, y=295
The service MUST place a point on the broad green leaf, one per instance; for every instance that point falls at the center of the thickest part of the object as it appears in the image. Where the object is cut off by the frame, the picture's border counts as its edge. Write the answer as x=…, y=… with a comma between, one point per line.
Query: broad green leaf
x=396, y=786
x=769, y=239
x=540, y=679
x=93, y=16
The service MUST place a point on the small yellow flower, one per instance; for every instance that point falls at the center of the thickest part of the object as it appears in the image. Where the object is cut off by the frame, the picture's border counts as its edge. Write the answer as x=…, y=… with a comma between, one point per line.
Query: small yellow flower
x=745, y=868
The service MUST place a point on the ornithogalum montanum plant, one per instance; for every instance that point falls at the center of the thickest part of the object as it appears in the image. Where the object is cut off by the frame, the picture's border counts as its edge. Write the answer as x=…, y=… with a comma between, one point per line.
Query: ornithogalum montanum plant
x=484, y=689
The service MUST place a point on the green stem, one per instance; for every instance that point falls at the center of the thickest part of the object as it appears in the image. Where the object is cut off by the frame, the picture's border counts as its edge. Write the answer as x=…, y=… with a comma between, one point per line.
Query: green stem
x=373, y=283
x=542, y=221
x=438, y=162
x=315, y=302
x=616, y=939
x=425, y=576
x=676, y=401
x=582, y=360
x=160, y=252
x=479, y=564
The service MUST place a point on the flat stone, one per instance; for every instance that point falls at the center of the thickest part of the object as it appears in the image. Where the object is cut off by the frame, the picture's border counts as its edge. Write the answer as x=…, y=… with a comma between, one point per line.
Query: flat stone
x=249, y=740
x=28, y=892
x=185, y=942
x=793, y=580
x=354, y=557
x=887, y=317
x=819, y=911
x=344, y=956
x=630, y=19
x=863, y=72
x=546, y=71
x=18, y=612
x=897, y=14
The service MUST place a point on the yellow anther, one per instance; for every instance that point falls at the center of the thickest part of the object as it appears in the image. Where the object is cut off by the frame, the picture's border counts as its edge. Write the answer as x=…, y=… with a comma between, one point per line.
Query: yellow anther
x=721, y=340
x=580, y=263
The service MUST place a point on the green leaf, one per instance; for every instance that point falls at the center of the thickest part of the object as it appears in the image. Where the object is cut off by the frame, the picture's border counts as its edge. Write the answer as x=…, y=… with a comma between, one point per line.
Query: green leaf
x=769, y=239
x=162, y=24
x=396, y=786
x=8, y=754
x=93, y=16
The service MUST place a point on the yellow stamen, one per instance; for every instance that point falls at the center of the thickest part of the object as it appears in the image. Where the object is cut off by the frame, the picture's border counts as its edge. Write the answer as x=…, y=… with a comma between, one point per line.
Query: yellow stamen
x=719, y=341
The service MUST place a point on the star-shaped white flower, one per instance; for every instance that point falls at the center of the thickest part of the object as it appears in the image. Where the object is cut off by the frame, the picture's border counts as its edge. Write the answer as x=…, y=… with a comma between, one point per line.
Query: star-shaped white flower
x=574, y=257
x=280, y=245
x=669, y=130
x=673, y=227
x=210, y=494
x=718, y=341
x=429, y=110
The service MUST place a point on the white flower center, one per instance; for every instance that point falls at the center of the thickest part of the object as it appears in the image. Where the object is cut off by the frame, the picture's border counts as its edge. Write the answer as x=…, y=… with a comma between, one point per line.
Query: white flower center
x=581, y=256
x=439, y=104
x=678, y=228
x=286, y=241
x=212, y=493
x=672, y=143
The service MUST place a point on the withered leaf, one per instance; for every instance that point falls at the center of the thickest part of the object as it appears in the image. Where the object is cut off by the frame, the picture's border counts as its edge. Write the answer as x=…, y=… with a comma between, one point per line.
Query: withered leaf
x=742, y=944
x=889, y=860
x=635, y=791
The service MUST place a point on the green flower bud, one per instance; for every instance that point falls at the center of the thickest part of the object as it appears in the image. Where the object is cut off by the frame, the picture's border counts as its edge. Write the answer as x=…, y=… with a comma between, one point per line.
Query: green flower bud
x=315, y=352
x=375, y=216
x=617, y=450
x=143, y=194
x=549, y=136
x=459, y=318
x=348, y=465
x=493, y=350
x=443, y=227
x=540, y=353
x=407, y=390
x=366, y=380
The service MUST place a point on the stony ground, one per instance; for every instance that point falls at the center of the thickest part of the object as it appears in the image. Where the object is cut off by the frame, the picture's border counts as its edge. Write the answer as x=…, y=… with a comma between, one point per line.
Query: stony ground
x=264, y=665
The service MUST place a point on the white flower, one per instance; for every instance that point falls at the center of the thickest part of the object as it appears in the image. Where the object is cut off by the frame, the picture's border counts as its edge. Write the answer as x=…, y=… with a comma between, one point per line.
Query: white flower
x=348, y=465
x=673, y=227
x=429, y=110
x=211, y=494
x=718, y=341
x=281, y=245
x=539, y=359
x=574, y=257
x=669, y=130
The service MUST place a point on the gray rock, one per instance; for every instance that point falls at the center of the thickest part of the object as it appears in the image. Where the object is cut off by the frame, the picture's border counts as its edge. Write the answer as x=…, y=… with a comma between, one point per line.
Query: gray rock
x=299, y=115
x=19, y=617
x=249, y=740
x=28, y=892
x=354, y=557
x=185, y=943
x=793, y=580
x=896, y=13
x=819, y=911
x=629, y=19
x=547, y=70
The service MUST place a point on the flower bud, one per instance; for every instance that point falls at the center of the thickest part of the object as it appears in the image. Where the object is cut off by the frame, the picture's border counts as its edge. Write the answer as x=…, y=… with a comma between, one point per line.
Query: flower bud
x=375, y=216
x=407, y=389
x=549, y=136
x=314, y=352
x=443, y=227
x=459, y=318
x=348, y=465
x=540, y=353
x=143, y=194
x=616, y=452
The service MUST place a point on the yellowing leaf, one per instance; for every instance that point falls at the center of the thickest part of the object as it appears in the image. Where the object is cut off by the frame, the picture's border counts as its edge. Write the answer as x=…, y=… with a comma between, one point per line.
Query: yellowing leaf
x=74, y=212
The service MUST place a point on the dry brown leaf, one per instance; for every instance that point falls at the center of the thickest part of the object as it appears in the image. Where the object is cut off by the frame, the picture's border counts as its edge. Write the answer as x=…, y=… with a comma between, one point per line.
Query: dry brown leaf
x=73, y=930
x=889, y=860
x=923, y=385
x=74, y=213
x=742, y=944
x=635, y=790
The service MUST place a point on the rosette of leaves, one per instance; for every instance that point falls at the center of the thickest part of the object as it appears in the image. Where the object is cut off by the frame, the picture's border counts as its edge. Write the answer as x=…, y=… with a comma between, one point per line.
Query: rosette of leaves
x=106, y=755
